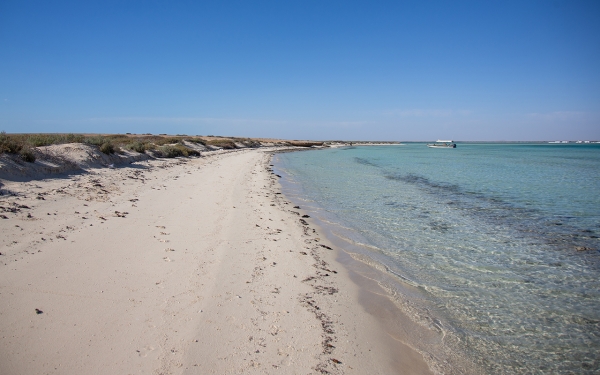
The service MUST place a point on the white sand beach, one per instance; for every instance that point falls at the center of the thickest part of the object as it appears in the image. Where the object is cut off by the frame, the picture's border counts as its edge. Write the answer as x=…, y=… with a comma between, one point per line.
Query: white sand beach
x=178, y=266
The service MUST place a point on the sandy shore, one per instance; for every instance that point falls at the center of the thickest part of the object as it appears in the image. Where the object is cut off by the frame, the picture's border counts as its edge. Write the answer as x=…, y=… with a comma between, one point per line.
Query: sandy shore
x=182, y=266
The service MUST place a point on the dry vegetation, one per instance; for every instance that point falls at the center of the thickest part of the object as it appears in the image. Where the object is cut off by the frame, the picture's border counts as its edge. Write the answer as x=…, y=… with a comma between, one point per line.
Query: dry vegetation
x=305, y=143
x=161, y=145
x=24, y=143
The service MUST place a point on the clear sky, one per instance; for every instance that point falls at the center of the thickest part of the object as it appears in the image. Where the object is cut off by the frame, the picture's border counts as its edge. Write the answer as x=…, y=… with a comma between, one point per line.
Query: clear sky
x=372, y=70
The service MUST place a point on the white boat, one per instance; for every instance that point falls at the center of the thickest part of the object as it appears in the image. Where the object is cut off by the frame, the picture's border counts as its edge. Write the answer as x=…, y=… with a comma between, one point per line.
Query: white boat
x=442, y=144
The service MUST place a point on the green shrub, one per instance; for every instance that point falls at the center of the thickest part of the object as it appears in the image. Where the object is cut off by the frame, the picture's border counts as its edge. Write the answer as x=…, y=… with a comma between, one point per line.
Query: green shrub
x=169, y=151
x=96, y=140
x=74, y=138
x=149, y=146
x=159, y=141
x=137, y=147
x=197, y=141
x=249, y=142
x=27, y=155
x=11, y=145
x=120, y=139
x=224, y=143
x=107, y=148
x=38, y=140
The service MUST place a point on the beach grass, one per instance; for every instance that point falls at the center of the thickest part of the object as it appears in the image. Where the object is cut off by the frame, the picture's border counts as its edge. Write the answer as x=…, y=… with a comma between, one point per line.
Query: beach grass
x=163, y=145
x=23, y=144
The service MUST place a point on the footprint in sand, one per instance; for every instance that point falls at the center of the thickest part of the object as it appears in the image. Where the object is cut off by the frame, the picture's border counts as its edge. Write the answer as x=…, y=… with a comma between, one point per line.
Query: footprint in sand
x=145, y=351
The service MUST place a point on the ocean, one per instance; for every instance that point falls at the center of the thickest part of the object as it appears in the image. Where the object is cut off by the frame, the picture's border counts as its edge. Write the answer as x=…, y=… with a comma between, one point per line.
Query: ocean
x=492, y=247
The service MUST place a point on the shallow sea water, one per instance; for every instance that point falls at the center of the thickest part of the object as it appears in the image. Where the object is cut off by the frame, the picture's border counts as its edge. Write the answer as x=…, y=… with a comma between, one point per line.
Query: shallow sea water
x=500, y=241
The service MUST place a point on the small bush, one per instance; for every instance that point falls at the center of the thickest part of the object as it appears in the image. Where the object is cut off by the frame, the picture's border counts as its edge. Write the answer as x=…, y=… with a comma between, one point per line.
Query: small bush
x=37, y=140
x=27, y=155
x=107, y=148
x=149, y=146
x=74, y=138
x=96, y=140
x=137, y=147
x=159, y=141
x=249, y=142
x=169, y=151
x=197, y=141
x=192, y=152
x=223, y=143
x=119, y=139
x=10, y=146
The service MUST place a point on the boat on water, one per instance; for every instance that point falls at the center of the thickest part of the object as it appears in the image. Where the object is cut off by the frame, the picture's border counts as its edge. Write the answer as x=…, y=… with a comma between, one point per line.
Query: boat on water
x=442, y=144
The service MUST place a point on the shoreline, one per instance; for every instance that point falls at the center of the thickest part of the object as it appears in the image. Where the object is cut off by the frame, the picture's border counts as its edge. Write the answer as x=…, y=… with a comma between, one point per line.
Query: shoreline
x=383, y=294
x=390, y=325
x=177, y=266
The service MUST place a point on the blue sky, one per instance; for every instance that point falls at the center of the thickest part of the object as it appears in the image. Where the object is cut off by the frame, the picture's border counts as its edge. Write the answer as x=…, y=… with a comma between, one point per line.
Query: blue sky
x=420, y=70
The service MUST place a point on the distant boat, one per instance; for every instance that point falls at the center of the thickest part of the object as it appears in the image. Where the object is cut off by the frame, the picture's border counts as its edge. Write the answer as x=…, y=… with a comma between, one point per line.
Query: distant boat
x=442, y=144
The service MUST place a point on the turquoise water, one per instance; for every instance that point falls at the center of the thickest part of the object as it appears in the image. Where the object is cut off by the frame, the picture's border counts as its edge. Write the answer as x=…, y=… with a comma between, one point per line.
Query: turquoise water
x=500, y=241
